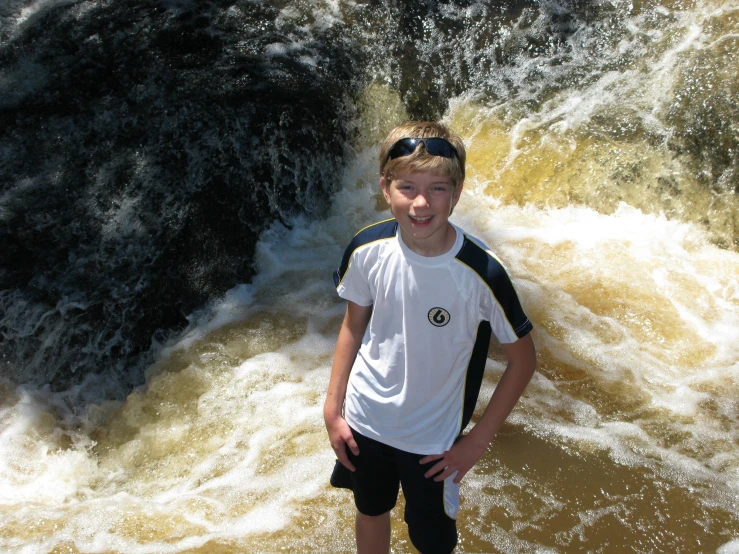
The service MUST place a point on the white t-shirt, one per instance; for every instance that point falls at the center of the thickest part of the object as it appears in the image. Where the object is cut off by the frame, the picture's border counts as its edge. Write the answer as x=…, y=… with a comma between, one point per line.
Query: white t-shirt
x=417, y=374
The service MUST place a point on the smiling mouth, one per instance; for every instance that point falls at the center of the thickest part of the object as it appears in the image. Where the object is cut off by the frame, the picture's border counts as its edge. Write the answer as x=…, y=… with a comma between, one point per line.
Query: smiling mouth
x=420, y=220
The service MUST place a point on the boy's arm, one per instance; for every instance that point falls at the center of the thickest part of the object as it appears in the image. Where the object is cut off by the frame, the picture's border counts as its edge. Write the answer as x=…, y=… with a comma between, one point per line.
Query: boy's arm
x=347, y=346
x=470, y=448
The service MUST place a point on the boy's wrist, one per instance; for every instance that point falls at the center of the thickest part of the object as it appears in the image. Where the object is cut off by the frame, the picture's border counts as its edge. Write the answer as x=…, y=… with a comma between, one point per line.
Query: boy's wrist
x=480, y=438
x=331, y=411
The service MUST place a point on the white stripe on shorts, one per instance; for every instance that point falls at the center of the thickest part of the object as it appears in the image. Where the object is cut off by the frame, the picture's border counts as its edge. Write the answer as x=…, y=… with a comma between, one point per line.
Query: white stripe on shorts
x=451, y=496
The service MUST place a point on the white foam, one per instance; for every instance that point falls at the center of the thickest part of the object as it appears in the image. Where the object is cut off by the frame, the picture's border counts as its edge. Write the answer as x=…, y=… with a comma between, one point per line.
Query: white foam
x=731, y=547
x=36, y=466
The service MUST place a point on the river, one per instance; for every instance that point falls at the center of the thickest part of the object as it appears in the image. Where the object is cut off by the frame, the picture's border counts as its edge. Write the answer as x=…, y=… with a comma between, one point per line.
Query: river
x=602, y=170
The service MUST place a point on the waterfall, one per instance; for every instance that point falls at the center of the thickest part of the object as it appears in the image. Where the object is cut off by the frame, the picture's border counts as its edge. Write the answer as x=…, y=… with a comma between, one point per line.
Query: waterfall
x=179, y=180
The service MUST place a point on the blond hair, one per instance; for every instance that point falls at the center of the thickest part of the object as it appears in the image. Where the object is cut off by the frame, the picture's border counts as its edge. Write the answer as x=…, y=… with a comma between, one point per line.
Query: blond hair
x=420, y=160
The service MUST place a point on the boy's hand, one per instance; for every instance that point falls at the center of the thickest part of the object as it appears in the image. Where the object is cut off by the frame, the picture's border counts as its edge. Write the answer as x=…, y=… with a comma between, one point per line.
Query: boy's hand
x=341, y=436
x=460, y=458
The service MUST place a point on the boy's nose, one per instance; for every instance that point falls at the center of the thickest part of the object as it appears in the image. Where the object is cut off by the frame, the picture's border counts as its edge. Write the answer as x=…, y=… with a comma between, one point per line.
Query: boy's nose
x=420, y=201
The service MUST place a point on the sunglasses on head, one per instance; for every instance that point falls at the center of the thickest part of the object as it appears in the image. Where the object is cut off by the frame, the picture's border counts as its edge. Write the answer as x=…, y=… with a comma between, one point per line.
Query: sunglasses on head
x=435, y=146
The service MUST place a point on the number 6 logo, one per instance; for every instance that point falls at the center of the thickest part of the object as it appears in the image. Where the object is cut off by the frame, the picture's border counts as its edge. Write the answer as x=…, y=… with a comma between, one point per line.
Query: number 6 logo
x=438, y=317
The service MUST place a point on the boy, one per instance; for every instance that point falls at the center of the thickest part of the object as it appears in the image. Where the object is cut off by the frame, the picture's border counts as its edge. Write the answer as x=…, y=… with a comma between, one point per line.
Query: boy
x=422, y=301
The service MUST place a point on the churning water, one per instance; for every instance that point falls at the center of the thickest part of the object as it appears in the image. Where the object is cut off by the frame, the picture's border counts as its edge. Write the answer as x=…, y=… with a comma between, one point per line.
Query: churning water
x=603, y=170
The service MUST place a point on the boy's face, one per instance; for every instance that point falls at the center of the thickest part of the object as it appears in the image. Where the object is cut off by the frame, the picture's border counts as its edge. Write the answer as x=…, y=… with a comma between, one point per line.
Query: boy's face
x=421, y=203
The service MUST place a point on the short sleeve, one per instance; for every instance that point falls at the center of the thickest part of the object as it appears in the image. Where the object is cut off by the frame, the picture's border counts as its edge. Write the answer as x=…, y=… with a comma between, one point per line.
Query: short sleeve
x=353, y=285
x=499, y=303
x=351, y=279
x=503, y=308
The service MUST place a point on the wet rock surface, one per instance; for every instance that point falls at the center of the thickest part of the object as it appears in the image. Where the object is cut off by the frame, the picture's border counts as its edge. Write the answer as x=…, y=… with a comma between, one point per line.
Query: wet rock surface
x=143, y=147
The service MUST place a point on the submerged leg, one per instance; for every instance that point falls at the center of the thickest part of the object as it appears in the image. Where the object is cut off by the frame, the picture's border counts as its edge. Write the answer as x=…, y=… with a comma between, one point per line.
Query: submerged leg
x=373, y=533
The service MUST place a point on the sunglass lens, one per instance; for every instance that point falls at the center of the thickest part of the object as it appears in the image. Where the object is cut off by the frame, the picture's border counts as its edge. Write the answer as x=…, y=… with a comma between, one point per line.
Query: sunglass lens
x=404, y=147
x=439, y=147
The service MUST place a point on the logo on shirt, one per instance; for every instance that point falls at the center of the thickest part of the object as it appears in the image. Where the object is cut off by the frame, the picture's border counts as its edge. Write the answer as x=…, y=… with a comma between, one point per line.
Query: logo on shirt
x=439, y=317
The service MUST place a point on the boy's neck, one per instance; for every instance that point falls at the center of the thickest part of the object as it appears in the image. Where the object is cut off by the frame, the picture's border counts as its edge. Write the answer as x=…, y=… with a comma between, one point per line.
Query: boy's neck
x=438, y=244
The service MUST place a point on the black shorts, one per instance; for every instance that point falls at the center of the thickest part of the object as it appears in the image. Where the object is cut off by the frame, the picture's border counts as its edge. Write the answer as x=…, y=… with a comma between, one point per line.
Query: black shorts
x=430, y=507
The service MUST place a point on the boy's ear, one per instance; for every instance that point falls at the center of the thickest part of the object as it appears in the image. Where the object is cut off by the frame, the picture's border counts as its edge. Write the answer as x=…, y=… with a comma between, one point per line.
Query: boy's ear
x=384, y=184
x=458, y=191
x=457, y=194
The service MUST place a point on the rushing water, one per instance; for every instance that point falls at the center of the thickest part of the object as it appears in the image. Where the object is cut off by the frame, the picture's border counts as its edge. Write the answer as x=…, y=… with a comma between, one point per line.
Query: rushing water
x=603, y=165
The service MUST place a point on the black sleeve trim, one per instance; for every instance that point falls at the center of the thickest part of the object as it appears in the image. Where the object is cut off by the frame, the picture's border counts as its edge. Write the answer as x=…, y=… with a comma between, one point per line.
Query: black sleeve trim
x=377, y=231
x=497, y=279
